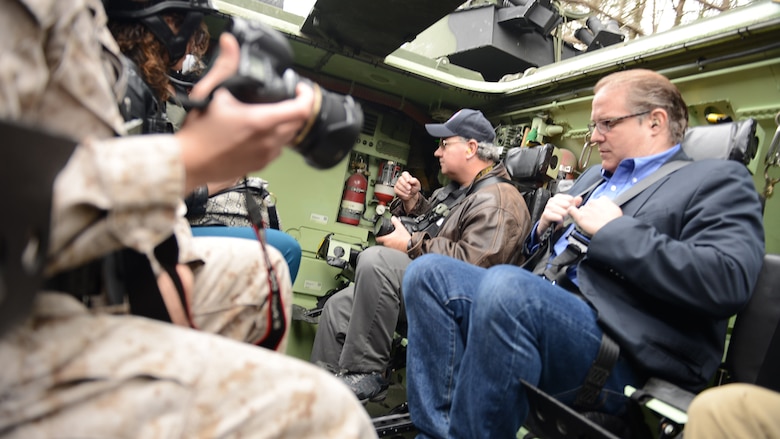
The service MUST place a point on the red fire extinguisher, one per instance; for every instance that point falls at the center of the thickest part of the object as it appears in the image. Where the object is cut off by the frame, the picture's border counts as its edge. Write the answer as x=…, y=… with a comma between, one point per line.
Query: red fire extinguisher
x=353, y=200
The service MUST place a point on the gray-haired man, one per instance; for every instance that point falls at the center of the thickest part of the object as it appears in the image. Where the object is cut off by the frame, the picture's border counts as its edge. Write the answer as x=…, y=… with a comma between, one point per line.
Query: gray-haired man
x=486, y=225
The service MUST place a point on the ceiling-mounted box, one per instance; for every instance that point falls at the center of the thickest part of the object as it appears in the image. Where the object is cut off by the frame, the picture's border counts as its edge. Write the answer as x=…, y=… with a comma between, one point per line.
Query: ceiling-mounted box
x=493, y=43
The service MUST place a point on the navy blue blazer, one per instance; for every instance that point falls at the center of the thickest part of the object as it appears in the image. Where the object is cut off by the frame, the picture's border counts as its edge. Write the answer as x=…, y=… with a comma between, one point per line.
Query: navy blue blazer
x=667, y=275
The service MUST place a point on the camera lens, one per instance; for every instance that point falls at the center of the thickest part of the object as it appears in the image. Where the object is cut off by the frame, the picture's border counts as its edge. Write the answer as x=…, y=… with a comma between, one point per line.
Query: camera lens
x=383, y=226
x=264, y=75
x=327, y=139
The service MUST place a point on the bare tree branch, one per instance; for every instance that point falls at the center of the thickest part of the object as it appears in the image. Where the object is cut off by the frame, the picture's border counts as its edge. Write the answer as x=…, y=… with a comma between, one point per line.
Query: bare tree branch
x=643, y=17
x=596, y=6
x=707, y=5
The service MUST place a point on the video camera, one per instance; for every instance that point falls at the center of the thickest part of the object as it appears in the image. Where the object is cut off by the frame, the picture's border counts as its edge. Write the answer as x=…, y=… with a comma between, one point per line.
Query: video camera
x=265, y=75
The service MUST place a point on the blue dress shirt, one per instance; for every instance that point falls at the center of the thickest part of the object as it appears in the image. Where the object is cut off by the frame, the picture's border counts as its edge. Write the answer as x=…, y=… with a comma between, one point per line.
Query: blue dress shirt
x=628, y=173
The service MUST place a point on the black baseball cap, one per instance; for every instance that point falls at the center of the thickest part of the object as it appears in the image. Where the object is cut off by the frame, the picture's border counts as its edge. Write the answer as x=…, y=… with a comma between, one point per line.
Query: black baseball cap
x=467, y=123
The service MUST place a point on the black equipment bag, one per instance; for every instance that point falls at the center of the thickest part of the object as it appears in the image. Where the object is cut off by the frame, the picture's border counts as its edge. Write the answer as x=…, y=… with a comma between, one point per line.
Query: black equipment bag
x=30, y=160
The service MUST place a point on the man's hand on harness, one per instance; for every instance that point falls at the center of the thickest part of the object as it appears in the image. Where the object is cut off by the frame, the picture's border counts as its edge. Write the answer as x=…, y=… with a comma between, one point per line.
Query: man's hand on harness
x=556, y=211
x=591, y=217
x=588, y=219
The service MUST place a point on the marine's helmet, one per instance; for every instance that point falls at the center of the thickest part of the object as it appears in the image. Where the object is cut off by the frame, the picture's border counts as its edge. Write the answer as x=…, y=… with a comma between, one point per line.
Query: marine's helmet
x=150, y=13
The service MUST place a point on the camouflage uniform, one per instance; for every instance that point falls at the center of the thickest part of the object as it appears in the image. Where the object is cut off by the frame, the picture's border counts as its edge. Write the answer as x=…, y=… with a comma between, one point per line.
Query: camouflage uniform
x=229, y=295
x=70, y=371
x=735, y=410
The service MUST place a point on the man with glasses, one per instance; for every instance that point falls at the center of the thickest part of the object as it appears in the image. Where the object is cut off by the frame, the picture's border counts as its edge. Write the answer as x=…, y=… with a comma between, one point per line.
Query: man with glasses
x=486, y=225
x=633, y=287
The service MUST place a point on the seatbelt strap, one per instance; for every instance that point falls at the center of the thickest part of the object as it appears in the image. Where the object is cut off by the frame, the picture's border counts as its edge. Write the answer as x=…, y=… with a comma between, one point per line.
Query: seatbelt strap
x=30, y=160
x=571, y=255
x=486, y=182
x=273, y=216
x=767, y=375
x=167, y=254
x=143, y=293
x=443, y=202
x=599, y=371
x=434, y=228
x=666, y=169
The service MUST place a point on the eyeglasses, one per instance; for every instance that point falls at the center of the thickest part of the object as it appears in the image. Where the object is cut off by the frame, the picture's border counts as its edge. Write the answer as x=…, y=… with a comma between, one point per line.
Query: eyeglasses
x=443, y=143
x=605, y=125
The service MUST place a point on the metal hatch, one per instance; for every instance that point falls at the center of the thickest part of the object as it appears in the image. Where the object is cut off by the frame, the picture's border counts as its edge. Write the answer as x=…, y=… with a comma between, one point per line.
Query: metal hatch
x=374, y=27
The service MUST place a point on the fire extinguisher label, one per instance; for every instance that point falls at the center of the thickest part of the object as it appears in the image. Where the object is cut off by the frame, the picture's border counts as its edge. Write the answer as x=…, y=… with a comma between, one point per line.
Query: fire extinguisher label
x=353, y=206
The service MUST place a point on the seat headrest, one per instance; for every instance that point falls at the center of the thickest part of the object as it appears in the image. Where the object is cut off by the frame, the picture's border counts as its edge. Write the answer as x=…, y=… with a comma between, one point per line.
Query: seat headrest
x=29, y=162
x=728, y=141
x=532, y=164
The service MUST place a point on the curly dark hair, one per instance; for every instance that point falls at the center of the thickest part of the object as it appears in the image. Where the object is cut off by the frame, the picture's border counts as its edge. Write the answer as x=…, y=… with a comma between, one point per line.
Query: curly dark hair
x=151, y=56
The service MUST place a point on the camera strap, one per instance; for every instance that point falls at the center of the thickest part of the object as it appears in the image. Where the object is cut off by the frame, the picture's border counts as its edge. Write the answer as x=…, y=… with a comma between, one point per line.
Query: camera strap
x=276, y=321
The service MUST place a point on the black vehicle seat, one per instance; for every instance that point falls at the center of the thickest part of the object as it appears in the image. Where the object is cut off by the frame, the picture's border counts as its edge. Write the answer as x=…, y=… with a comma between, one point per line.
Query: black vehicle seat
x=530, y=170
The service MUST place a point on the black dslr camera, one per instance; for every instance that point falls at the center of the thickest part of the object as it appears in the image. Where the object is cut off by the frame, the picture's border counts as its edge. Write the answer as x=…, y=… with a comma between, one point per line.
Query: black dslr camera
x=383, y=226
x=265, y=75
x=412, y=224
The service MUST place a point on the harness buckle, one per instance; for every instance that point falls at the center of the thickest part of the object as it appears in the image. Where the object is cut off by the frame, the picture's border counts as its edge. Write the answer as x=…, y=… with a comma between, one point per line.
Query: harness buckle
x=579, y=240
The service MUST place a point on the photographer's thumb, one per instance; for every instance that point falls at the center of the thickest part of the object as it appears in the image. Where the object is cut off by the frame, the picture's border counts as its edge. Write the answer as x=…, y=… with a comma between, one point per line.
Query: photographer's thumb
x=225, y=65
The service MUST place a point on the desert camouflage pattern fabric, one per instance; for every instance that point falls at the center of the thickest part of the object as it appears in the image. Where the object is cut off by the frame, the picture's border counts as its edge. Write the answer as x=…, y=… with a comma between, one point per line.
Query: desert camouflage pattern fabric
x=64, y=80
x=97, y=196
x=68, y=370
x=127, y=377
x=231, y=288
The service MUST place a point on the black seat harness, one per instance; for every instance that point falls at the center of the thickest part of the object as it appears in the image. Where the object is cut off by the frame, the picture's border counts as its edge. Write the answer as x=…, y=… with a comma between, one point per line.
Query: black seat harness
x=435, y=218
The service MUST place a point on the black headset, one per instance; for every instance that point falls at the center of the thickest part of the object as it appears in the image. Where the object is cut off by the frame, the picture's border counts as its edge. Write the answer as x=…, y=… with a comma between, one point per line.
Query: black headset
x=149, y=13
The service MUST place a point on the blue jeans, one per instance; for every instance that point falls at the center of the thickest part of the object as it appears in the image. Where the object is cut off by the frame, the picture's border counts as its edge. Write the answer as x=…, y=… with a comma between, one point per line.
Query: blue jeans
x=475, y=332
x=281, y=241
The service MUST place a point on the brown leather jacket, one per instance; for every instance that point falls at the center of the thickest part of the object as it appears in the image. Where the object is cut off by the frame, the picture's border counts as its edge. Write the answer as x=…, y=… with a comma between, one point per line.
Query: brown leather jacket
x=486, y=228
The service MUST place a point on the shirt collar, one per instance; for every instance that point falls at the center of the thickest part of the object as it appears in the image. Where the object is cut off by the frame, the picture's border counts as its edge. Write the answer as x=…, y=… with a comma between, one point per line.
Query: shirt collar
x=641, y=167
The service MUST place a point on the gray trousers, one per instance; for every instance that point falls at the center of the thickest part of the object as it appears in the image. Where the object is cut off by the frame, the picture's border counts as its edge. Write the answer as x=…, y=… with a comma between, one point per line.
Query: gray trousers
x=357, y=324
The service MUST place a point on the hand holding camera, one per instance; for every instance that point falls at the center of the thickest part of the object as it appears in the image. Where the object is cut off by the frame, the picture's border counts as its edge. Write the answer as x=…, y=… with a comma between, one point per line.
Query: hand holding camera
x=232, y=138
x=265, y=75
x=254, y=65
x=385, y=226
x=399, y=237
